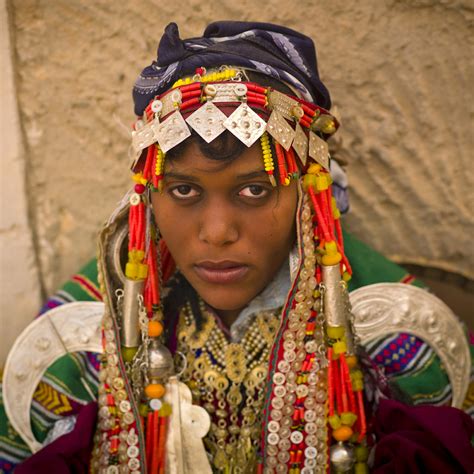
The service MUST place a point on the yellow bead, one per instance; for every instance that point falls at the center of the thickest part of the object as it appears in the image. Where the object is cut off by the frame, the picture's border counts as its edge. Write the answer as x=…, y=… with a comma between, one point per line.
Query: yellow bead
x=335, y=332
x=142, y=271
x=165, y=409
x=128, y=353
x=348, y=418
x=361, y=468
x=339, y=347
x=143, y=409
x=155, y=390
x=287, y=182
x=329, y=260
x=155, y=329
x=321, y=183
x=316, y=294
x=334, y=421
x=361, y=453
x=131, y=270
x=314, y=168
x=358, y=385
x=342, y=433
x=346, y=276
x=309, y=180
x=335, y=210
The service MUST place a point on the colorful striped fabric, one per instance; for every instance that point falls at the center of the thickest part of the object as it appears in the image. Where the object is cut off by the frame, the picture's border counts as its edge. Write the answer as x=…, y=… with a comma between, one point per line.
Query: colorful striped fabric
x=406, y=360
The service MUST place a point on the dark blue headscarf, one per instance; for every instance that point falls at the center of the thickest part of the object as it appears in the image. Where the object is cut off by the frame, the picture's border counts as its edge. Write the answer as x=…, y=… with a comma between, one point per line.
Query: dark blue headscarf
x=276, y=51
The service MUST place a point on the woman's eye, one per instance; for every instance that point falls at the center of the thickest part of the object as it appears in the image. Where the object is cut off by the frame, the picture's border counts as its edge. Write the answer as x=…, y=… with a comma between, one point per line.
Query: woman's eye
x=184, y=191
x=254, y=191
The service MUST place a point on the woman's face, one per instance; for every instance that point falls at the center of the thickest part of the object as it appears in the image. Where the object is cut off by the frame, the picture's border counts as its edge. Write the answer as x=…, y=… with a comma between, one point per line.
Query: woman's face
x=228, y=230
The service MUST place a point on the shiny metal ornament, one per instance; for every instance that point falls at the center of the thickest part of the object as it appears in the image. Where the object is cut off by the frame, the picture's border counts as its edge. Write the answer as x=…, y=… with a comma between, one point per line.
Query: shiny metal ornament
x=342, y=458
x=245, y=124
x=207, y=121
x=144, y=136
x=300, y=143
x=171, y=132
x=130, y=333
x=318, y=150
x=160, y=361
x=280, y=130
x=387, y=308
x=71, y=327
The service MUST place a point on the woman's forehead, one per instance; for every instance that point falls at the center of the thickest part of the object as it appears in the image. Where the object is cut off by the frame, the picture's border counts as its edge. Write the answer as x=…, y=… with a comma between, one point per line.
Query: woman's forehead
x=193, y=162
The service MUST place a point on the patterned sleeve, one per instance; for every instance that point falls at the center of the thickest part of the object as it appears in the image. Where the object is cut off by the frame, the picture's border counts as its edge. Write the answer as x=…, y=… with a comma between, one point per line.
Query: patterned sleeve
x=65, y=387
x=405, y=359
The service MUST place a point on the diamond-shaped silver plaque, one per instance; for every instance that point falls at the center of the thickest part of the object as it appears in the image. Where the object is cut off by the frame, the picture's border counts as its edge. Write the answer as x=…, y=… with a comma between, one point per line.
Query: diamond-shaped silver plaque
x=171, y=132
x=300, y=144
x=245, y=124
x=318, y=150
x=144, y=136
x=280, y=130
x=208, y=121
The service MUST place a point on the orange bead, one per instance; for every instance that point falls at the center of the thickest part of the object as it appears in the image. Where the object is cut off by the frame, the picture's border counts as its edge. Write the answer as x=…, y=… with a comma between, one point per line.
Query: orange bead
x=154, y=390
x=155, y=328
x=342, y=434
x=351, y=361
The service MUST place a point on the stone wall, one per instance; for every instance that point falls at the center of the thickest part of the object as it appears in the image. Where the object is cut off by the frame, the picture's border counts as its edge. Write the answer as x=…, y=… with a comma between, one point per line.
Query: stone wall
x=400, y=72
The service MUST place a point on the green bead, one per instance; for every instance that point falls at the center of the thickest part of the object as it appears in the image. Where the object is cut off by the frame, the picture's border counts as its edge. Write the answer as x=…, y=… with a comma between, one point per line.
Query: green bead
x=361, y=453
x=128, y=353
x=361, y=468
x=143, y=409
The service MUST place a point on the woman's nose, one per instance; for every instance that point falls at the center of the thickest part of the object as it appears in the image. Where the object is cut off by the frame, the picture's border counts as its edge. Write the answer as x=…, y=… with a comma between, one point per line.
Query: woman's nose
x=218, y=224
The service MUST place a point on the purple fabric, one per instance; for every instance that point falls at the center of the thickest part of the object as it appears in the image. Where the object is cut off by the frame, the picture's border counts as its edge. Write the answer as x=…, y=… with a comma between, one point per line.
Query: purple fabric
x=422, y=439
x=70, y=453
x=273, y=50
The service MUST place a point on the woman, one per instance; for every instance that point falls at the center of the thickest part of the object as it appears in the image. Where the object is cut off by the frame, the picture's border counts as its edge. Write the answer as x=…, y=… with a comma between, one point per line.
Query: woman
x=235, y=263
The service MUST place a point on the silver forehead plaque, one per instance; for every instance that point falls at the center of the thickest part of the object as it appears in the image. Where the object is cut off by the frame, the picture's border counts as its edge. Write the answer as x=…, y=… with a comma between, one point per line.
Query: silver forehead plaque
x=171, y=132
x=207, y=121
x=144, y=136
x=300, y=143
x=280, y=130
x=245, y=124
x=318, y=150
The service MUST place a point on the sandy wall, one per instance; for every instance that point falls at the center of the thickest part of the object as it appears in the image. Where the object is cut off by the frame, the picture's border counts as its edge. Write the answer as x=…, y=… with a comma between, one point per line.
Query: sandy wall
x=399, y=72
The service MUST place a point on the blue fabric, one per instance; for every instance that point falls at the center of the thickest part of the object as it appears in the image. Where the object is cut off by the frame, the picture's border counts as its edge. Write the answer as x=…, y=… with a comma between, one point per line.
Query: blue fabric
x=276, y=51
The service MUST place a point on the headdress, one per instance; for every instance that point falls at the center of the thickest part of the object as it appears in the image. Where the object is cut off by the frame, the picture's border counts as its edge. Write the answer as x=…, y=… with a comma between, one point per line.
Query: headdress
x=314, y=388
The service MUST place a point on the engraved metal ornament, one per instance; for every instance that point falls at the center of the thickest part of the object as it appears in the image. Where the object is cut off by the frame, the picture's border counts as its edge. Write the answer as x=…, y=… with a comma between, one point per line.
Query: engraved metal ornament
x=144, y=137
x=318, y=150
x=280, y=130
x=300, y=144
x=188, y=424
x=387, y=308
x=171, y=132
x=282, y=104
x=71, y=327
x=160, y=365
x=224, y=92
x=245, y=124
x=207, y=121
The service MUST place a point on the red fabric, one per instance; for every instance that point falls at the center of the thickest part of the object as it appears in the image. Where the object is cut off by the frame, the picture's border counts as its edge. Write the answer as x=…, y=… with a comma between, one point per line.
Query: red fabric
x=70, y=453
x=422, y=439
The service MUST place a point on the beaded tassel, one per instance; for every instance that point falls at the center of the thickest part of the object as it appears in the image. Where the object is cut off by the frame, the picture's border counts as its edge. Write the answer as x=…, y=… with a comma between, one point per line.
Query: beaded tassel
x=267, y=157
x=159, y=169
x=282, y=170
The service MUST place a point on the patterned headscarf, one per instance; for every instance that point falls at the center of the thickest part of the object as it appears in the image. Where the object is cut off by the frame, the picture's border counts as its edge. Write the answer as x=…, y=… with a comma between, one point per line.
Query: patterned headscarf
x=273, y=50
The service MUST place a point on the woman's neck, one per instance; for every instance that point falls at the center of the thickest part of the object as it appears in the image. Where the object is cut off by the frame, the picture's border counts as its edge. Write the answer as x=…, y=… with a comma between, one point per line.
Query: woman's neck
x=228, y=317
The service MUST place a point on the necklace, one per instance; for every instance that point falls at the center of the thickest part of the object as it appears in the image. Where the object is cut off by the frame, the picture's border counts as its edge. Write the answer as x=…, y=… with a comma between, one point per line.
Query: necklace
x=228, y=380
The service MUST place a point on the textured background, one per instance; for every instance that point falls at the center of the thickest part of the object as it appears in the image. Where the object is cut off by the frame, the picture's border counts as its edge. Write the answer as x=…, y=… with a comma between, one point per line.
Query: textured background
x=399, y=71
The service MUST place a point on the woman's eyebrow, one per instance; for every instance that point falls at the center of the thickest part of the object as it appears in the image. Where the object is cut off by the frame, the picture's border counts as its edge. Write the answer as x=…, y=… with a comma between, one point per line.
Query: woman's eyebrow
x=252, y=174
x=180, y=176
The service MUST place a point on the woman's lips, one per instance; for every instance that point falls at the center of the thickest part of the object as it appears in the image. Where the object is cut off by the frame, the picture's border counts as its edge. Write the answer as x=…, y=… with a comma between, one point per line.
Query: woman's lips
x=221, y=272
